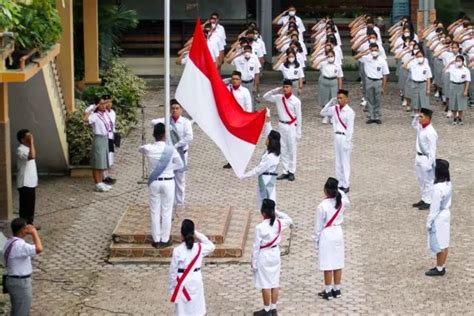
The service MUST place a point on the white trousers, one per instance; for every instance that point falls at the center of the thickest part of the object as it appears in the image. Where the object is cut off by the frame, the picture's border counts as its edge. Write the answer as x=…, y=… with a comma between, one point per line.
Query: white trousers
x=180, y=182
x=425, y=175
x=161, y=209
x=343, y=160
x=288, y=147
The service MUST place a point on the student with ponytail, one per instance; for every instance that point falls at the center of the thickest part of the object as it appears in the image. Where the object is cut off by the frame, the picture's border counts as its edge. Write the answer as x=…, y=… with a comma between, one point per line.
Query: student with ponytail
x=266, y=255
x=329, y=239
x=185, y=278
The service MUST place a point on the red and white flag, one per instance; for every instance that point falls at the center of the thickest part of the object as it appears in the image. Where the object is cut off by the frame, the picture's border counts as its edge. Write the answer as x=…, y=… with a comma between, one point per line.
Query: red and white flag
x=206, y=98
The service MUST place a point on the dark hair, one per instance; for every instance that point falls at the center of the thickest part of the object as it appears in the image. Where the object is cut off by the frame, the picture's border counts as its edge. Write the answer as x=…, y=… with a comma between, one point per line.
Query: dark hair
x=371, y=45
x=274, y=142
x=287, y=63
x=460, y=57
x=332, y=191
x=330, y=52
x=287, y=82
x=442, y=171
x=299, y=49
x=21, y=134
x=174, y=101
x=17, y=224
x=268, y=209
x=187, y=231
x=97, y=99
x=237, y=73
x=344, y=92
x=214, y=14
x=331, y=39
x=248, y=47
x=427, y=112
x=250, y=32
x=159, y=131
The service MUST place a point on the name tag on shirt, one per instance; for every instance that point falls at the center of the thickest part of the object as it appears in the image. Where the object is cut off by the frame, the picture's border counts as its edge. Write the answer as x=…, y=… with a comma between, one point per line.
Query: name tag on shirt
x=251, y=68
x=296, y=72
x=424, y=72
x=463, y=76
x=379, y=68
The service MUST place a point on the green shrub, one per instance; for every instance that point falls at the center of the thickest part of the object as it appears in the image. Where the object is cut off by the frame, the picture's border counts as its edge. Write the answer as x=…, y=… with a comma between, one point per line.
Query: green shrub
x=79, y=135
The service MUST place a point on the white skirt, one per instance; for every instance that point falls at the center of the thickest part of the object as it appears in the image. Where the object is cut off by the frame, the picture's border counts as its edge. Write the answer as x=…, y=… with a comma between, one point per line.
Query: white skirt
x=442, y=225
x=197, y=305
x=331, y=249
x=267, y=275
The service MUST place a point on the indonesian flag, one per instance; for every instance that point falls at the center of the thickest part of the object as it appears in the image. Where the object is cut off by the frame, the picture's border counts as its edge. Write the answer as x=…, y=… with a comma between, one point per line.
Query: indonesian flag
x=212, y=106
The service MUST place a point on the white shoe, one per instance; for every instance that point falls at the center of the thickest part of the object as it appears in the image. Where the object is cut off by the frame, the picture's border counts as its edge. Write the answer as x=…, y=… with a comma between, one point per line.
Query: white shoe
x=108, y=186
x=450, y=114
x=363, y=103
x=436, y=95
x=101, y=187
x=404, y=103
x=325, y=120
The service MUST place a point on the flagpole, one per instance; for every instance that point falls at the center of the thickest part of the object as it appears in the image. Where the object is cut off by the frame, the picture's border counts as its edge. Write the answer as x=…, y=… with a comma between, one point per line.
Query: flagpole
x=167, y=68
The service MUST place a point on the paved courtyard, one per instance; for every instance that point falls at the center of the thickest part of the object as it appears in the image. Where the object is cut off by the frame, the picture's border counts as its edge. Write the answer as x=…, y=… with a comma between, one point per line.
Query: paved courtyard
x=386, y=254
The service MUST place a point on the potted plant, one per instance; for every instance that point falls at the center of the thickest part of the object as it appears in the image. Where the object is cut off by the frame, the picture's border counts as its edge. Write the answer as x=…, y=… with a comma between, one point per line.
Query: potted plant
x=38, y=29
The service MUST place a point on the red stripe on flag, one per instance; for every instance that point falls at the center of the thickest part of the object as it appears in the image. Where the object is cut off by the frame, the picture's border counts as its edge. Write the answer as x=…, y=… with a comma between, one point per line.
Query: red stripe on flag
x=241, y=124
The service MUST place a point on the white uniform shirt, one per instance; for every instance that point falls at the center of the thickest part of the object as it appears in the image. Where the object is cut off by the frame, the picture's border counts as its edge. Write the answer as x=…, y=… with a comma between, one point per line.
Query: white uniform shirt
x=426, y=141
x=268, y=163
x=214, y=45
x=183, y=128
x=220, y=30
x=447, y=57
x=459, y=75
x=441, y=200
x=248, y=68
x=261, y=43
x=420, y=72
x=27, y=175
x=243, y=97
x=112, y=116
x=375, y=68
x=329, y=70
x=100, y=123
x=265, y=233
x=347, y=116
x=19, y=260
x=257, y=49
x=299, y=22
x=325, y=211
x=293, y=107
x=154, y=152
x=291, y=72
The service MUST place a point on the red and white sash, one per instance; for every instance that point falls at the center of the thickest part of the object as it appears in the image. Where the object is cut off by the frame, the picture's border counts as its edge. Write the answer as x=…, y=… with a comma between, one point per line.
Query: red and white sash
x=339, y=117
x=181, y=279
x=270, y=244
x=104, y=120
x=333, y=218
x=292, y=118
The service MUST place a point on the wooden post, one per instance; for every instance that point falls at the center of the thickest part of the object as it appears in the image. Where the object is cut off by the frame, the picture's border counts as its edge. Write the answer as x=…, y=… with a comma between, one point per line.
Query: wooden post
x=66, y=57
x=6, y=211
x=91, y=42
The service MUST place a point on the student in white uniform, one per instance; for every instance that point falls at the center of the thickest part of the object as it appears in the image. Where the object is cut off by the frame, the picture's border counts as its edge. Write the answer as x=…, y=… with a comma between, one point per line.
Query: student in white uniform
x=460, y=80
x=266, y=261
x=290, y=125
x=163, y=160
x=376, y=72
x=330, y=80
x=292, y=70
x=112, y=117
x=343, y=126
x=283, y=18
x=185, y=278
x=249, y=66
x=329, y=239
x=266, y=170
x=420, y=73
x=439, y=219
x=240, y=93
x=218, y=30
x=181, y=136
x=426, y=142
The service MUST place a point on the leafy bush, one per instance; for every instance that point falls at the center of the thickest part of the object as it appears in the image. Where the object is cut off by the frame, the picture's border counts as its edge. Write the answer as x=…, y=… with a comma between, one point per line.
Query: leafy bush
x=126, y=91
x=9, y=15
x=79, y=135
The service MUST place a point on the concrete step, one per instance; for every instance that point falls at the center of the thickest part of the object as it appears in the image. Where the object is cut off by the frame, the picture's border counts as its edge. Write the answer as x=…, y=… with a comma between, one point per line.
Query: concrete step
x=233, y=246
x=134, y=226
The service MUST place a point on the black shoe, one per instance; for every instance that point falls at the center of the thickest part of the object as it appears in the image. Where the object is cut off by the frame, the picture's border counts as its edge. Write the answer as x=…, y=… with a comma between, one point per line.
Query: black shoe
x=227, y=166
x=336, y=293
x=327, y=295
x=166, y=244
x=109, y=180
x=283, y=176
x=157, y=245
x=370, y=121
x=418, y=204
x=378, y=121
x=425, y=206
x=435, y=272
x=262, y=312
x=291, y=177
x=274, y=312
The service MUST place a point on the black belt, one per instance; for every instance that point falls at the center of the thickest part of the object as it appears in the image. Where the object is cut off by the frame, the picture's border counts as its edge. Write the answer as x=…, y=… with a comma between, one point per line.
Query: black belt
x=293, y=80
x=182, y=270
x=285, y=122
x=329, y=78
x=165, y=179
x=247, y=81
x=270, y=174
x=458, y=82
x=419, y=81
x=420, y=154
x=373, y=79
x=340, y=133
x=273, y=246
x=19, y=276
